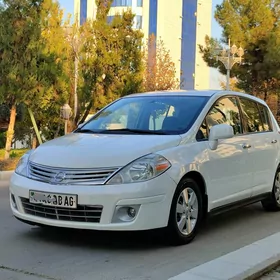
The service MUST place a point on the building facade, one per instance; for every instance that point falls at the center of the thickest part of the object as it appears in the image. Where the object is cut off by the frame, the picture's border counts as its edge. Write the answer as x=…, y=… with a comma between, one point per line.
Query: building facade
x=181, y=24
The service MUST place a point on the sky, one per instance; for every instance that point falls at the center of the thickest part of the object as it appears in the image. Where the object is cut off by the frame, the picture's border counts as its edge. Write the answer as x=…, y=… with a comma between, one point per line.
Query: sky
x=216, y=29
x=215, y=77
x=67, y=5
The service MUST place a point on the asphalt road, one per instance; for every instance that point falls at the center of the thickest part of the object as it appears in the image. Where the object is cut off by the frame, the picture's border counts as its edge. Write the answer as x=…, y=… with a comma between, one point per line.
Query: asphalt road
x=31, y=253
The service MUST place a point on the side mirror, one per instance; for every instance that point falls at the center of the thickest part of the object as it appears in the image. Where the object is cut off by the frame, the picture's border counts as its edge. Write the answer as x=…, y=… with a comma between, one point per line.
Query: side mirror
x=219, y=132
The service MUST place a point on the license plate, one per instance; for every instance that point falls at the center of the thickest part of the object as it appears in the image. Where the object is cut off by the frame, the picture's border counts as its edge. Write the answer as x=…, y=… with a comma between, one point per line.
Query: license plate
x=53, y=199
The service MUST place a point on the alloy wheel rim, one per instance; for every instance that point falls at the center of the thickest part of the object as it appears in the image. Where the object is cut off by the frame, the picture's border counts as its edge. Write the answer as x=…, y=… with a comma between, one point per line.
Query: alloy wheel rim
x=187, y=211
x=277, y=188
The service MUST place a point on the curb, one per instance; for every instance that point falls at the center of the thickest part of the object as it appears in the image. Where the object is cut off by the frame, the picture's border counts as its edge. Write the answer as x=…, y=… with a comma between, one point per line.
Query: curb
x=249, y=262
x=5, y=175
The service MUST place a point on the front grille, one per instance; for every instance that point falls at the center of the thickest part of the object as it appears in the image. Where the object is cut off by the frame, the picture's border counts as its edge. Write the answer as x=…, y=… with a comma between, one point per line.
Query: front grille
x=89, y=214
x=57, y=175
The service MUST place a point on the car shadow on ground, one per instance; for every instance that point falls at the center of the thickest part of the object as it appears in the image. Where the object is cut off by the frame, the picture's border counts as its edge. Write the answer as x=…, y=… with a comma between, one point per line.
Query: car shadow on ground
x=144, y=240
x=98, y=239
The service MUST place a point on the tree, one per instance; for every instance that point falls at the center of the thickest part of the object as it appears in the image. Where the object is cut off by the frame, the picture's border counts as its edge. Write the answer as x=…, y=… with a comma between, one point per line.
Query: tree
x=160, y=70
x=18, y=55
x=111, y=64
x=232, y=82
x=57, y=86
x=255, y=26
x=75, y=38
x=29, y=69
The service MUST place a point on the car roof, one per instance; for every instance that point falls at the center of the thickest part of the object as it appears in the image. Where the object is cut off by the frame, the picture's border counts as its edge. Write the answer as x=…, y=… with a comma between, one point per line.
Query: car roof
x=205, y=93
x=208, y=93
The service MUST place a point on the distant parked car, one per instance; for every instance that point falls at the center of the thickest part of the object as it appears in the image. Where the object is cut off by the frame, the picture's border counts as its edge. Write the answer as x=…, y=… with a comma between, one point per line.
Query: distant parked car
x=154, y=160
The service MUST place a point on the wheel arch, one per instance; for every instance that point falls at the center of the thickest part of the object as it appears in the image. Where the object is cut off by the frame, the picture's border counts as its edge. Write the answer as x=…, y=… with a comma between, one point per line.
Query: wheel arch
x=199, y=179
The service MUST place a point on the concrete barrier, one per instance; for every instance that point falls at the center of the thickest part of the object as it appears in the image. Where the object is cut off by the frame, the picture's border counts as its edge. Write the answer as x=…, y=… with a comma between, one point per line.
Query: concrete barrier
x=249, y=263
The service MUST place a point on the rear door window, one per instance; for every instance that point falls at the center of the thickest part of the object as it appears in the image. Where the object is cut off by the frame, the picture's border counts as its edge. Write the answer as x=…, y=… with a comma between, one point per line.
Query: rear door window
x=251, y=115
x=265, y=118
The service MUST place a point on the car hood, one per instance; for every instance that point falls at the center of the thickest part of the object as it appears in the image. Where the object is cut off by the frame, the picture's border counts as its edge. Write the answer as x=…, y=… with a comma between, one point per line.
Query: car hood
x=77, y=150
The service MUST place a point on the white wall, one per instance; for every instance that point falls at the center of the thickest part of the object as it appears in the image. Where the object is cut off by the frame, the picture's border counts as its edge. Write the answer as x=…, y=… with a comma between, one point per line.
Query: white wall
x=169, y=29
x=204, y=19
x=77, y=9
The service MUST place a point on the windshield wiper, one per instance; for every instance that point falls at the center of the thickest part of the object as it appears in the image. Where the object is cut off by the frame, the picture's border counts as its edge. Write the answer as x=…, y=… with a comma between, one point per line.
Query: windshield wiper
x=86, y=130
x=128, y=130
x=136, y=131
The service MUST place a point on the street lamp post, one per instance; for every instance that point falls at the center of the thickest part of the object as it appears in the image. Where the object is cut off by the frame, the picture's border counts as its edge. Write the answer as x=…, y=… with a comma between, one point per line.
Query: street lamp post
x=75, y=42
x=65, y=114
x=229, y=57
x=76, y=69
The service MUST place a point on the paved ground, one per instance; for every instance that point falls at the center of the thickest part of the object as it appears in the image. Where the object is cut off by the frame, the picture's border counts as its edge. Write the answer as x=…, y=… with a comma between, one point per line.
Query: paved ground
x=30, y=253
x=273, y=275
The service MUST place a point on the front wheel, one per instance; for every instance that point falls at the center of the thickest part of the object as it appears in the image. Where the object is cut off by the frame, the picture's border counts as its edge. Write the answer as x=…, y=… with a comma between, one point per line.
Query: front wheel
x=272, y=203
x=186, y=213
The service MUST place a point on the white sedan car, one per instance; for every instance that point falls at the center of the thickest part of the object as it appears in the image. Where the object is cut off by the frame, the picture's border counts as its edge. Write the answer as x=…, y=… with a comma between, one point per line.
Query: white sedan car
x=154, y=160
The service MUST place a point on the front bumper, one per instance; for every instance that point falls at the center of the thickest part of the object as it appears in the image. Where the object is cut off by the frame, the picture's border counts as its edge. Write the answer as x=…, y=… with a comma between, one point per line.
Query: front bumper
x=152, y=200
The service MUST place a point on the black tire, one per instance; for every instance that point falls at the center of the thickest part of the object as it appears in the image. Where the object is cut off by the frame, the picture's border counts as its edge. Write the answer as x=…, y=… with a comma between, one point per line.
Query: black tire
x=272, y=203
x=175, y=235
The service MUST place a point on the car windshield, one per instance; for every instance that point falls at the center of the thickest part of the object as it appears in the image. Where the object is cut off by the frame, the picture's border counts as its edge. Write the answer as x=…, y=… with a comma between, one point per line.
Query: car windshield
x=147, y=115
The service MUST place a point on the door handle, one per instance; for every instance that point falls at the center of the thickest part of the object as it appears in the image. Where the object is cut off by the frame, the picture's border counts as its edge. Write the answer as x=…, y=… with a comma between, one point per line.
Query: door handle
x=274, y=141
x=246, y=146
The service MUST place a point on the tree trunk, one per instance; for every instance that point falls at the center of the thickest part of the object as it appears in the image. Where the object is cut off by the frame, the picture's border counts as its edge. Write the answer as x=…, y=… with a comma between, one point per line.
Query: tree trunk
x=57, y=131
x=86, y=112
x=34, y=142
x=76, y=120
x=71, y=126
x=265, y=96
x=10, y=132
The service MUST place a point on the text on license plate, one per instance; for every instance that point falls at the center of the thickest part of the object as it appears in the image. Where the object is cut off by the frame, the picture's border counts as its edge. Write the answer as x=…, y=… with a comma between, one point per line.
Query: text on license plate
x=53, y=199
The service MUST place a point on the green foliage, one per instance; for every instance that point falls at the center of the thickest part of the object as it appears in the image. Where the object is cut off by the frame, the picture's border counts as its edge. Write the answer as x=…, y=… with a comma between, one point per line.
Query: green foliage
x=112, y=61
x=5, y=112
x=57, y=86
x=40, y=56
x=34, y=65
x=2, y=139
x=20, y=52
x=233, y=87
x=18, y=153
x=10, y=164
x=208, y=52
x=13, y=154
x=254, y=25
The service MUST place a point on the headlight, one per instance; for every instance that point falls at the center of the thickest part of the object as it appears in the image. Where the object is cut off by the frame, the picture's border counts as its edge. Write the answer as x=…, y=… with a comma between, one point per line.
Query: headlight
x=142, y=169
x=22, y=166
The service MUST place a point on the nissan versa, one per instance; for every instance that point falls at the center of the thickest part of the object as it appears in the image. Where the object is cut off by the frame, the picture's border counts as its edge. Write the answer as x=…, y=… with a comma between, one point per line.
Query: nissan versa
x=154, y=160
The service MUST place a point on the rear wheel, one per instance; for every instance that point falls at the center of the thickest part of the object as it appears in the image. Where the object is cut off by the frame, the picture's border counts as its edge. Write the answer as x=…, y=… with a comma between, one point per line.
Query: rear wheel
x=273, y=202
x=186, y=213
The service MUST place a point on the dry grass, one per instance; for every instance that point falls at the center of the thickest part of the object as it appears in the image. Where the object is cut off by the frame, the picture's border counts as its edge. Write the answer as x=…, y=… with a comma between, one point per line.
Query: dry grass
x=10, y=164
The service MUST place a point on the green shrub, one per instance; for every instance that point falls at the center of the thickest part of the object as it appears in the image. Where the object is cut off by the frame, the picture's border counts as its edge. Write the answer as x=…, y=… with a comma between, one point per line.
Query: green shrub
x=2, y=139
x=13, y=154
